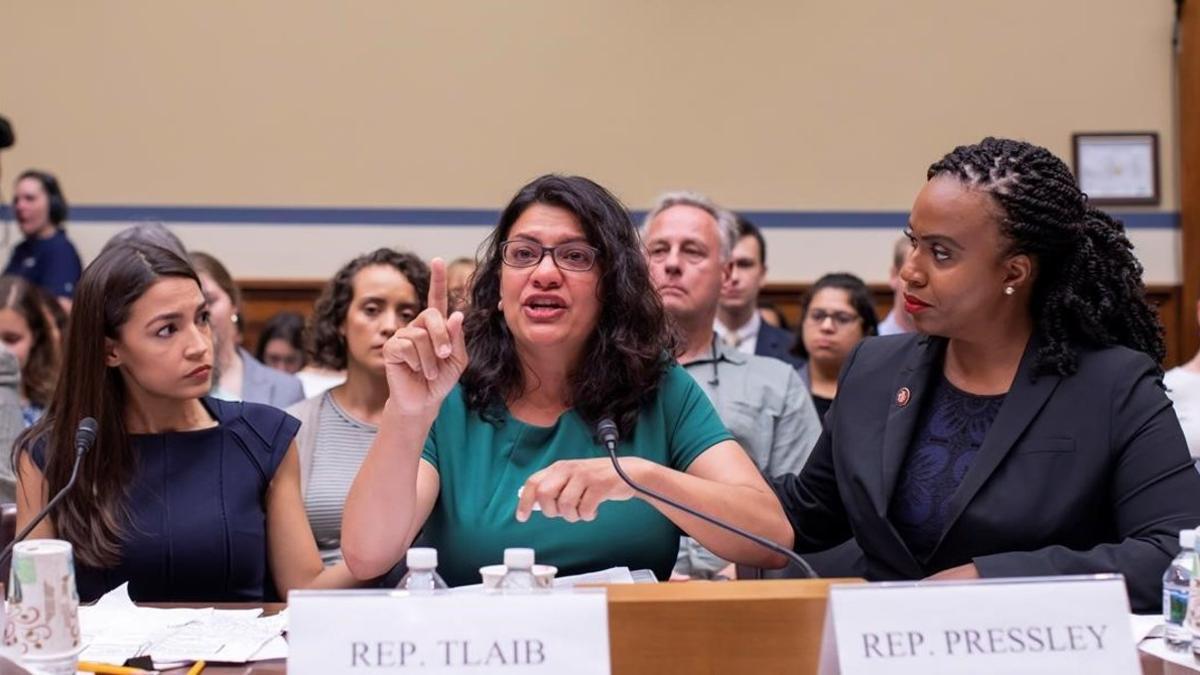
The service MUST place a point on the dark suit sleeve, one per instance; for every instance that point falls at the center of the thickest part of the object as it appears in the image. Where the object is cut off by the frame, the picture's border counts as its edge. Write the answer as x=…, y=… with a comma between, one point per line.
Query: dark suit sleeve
x=811, y=498
x=1153, y=487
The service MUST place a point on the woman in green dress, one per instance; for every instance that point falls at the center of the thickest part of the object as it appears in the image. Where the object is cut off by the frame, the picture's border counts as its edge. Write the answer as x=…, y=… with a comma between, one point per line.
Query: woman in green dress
x=487, y=439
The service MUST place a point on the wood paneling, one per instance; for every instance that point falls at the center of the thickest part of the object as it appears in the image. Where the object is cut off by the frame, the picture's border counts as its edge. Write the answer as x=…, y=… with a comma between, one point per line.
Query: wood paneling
x=263, y=298
x=1188, y=71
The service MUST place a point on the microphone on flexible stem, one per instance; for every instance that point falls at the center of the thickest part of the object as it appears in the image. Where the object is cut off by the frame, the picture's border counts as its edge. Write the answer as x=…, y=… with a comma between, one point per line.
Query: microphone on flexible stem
x=85, y=438
x=606, y=432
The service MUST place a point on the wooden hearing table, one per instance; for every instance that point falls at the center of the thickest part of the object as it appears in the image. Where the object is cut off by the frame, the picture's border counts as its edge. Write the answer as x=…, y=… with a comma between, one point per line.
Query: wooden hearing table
x=770, y=626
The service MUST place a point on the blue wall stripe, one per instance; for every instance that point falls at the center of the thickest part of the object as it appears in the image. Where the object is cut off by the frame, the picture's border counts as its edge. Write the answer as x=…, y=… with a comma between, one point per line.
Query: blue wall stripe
x=271, y=215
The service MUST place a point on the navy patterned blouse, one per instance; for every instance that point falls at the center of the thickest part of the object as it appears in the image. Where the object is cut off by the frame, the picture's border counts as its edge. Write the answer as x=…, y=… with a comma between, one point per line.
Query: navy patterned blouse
x=949, y=433
x=197, y=503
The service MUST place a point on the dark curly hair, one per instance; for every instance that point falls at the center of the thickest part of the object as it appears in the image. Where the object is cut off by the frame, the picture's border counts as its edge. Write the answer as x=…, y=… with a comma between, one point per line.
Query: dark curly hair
x=860, y=300
x=326, y=344
x=1088, y=290
x=626, y=357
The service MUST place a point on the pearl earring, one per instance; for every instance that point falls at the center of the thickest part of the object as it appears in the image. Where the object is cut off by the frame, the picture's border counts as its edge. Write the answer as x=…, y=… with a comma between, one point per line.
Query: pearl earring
x=500, y=305
x=1009, y=290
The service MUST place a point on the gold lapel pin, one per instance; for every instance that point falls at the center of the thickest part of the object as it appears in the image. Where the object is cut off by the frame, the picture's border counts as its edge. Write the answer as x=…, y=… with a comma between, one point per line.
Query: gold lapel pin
x=902, y=396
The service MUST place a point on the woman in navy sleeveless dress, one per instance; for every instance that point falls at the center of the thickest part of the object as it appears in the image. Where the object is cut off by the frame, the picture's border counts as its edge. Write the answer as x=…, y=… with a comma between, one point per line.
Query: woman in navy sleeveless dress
x=186, y=498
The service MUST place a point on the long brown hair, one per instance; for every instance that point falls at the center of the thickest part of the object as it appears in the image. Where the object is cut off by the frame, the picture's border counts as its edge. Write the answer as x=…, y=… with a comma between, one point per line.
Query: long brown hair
x=93, y=515
x=40, y=370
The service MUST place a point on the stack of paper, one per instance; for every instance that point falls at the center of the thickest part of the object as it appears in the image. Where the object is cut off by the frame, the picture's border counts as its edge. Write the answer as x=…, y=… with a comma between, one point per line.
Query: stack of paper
x=115, y=629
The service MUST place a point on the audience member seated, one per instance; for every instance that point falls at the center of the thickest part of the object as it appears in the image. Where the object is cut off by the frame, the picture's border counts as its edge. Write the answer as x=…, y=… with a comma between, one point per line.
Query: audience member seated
x=1183, y=388
x=281, y=343
x=689, y=245
x=11, y=422
x=1024, y=431
x=836, y=314
x=238, y=375
x=564, y=330
x=739, y=323
x=365, y=303
x=771, y=316
x=186, y=498
x=46, y=257
x=458, y=278
x=898, y=320
x=27, y=332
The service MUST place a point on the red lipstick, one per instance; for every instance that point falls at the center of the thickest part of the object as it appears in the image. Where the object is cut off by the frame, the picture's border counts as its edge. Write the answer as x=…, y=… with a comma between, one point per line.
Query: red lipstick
x=914, y=305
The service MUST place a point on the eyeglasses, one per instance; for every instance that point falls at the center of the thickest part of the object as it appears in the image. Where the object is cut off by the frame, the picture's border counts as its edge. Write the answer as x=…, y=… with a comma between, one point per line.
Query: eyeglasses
x=574, y=257
x=840, y=319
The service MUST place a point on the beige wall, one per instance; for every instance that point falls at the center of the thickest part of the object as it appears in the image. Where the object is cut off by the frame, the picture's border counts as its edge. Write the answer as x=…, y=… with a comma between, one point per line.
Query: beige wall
x=778, y=104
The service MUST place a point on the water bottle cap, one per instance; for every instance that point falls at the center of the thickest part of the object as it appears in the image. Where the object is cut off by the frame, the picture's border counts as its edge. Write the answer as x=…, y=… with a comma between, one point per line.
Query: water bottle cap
x=421, y=558
x=520, y=558
x=1187, y=539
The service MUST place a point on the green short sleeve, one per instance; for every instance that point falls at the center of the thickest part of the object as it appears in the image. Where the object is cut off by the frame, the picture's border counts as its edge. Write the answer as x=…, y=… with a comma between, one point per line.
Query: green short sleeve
x=693, y=424
x=448, y=427
x=429, y=453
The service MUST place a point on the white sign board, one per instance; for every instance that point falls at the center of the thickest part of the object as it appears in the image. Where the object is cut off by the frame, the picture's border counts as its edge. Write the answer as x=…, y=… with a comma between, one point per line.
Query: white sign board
x=331, y=632
x=1003, y=626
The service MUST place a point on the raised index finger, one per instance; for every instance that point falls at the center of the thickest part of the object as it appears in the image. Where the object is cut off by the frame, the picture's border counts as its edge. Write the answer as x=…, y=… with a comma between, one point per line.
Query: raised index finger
x=439, y=298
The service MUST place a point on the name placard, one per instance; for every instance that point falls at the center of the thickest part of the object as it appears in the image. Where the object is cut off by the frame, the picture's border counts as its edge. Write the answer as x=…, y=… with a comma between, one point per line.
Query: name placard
x=388, y=631
x=1048, y=625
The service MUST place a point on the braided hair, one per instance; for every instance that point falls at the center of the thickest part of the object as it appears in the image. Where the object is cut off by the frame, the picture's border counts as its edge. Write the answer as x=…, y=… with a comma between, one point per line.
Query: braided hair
x=1088, y=290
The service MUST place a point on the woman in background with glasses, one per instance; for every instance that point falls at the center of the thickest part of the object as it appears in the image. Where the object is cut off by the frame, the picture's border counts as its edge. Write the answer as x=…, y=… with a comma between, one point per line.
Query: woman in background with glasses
x=836, y=314
x=487, y=440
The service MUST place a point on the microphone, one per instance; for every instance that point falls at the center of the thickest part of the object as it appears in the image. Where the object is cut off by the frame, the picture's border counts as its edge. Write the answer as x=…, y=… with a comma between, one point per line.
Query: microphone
x=607, y=434
x=85, y=438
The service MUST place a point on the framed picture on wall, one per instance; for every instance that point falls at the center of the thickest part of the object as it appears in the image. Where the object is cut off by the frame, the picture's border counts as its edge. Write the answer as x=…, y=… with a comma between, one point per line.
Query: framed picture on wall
x=1117, y=168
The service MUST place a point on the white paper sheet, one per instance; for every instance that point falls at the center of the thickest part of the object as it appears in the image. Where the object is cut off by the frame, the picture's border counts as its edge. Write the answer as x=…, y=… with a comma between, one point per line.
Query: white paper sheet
x=115, y=629
x=276, y=648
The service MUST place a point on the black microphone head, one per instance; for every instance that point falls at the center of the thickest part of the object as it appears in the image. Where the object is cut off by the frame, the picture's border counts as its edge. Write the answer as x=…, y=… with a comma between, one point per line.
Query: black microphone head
x=85, y=434
x=606, y=431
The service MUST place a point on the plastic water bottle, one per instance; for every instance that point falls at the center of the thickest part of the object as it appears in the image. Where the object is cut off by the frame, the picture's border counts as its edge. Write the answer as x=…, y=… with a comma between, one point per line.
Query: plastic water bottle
x=518, y=575
x=422, y=576
x=1177, y=583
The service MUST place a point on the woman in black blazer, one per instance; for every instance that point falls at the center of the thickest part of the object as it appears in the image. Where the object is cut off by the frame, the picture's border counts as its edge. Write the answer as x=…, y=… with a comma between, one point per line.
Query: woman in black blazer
x=1026, y=432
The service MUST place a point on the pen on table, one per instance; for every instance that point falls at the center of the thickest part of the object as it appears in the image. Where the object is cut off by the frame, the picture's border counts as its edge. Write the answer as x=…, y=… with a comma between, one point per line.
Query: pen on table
x=196, y=668
x=107, y=669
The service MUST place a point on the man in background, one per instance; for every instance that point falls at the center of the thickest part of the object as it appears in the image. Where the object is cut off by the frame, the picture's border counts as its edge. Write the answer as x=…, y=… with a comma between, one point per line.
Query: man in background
x=762, y=401
x=739, y=324
x=897, y=321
